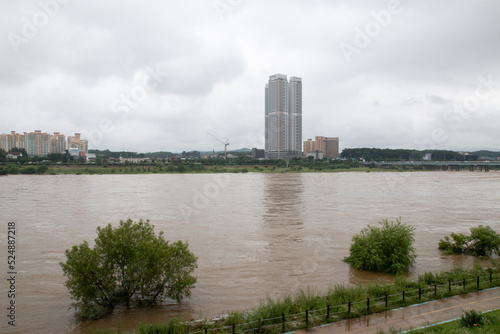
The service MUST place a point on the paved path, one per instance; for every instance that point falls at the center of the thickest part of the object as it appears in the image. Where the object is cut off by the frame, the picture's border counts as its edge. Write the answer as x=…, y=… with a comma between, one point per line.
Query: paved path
x=415, y=316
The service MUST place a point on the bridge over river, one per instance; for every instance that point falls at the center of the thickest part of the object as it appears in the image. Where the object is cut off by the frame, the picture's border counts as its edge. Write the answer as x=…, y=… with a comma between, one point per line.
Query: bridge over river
x=444, y=165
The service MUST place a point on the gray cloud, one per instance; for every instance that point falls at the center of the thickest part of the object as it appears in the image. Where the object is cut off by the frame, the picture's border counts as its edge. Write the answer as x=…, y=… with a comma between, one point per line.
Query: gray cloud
x=77, y=69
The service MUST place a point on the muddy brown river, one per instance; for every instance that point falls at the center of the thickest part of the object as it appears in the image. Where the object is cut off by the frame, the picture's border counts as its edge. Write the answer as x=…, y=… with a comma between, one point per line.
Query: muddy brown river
x=256, y=235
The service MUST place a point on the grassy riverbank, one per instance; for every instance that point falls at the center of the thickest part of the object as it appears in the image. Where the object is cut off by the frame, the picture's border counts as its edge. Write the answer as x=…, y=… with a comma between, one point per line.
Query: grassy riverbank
x=310, y=308
x=489, y=322
x=185, y=169
x=229, y=166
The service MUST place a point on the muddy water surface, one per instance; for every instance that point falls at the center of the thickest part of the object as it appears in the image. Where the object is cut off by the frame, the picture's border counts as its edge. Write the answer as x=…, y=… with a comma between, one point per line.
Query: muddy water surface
x=256, y=235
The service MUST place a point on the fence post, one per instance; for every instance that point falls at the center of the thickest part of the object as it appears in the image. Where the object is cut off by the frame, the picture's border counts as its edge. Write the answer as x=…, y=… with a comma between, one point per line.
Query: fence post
x=367, y=304
x=449, y=285
x=478, y=282
x=327, y=312
x=258, y=329
x=403, y=296
x=206, y=330
x=419, y=293
x=386, y=300
x=283, y=326
x=234, y=327
x=349, y=308
x=490, y=278
x=435, y=290
x=307, y=318
x=464, y=283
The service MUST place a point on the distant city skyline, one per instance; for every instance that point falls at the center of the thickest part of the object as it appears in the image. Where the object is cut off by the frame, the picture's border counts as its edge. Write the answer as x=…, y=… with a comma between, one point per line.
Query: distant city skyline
x=128, y=76
x=38, y=143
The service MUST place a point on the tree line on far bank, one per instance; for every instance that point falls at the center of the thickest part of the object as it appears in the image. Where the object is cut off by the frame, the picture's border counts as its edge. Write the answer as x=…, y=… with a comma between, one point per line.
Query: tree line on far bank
x=377, y=154
x=15, y=169
x=368, y=154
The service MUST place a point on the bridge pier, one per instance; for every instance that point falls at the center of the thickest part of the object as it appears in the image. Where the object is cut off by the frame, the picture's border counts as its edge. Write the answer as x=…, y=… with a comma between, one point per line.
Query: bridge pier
x=483, y=168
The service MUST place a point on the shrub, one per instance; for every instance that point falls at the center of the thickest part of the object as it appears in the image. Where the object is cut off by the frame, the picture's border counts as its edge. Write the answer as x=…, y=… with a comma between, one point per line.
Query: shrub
x=483, y=241
x=11, y=169
x=29, y=170
x=173, y=326
x=388, y=248
x=42, y=169
x=471, y=319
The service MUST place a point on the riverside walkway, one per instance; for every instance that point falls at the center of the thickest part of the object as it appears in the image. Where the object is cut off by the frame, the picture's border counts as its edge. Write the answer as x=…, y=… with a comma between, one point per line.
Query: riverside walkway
x=415, y=316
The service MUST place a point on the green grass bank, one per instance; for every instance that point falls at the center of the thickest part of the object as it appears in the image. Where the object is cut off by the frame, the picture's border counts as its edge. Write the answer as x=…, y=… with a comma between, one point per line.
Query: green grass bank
x=309, y=308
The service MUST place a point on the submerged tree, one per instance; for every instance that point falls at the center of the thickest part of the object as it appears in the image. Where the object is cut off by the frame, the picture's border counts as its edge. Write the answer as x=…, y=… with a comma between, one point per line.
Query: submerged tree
x=388, y=248
x=483, y=241
x=129, y=264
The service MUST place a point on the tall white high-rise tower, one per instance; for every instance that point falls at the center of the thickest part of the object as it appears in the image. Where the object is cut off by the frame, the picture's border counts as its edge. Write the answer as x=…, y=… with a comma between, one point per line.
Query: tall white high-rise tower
x=283, y=117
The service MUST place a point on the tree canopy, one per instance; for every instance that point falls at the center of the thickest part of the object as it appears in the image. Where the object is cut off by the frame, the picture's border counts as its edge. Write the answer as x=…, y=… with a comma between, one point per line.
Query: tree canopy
x=388, y=248
x=483, y=241
x=377, y=154
x=128, y=264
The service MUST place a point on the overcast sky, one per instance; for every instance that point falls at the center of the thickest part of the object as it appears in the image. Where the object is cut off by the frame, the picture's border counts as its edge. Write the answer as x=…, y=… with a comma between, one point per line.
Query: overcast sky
x=159, y=75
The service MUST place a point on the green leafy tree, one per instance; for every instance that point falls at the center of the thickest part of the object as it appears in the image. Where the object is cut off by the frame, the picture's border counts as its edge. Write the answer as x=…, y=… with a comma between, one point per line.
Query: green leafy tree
x=129, y=264
x=388, y=248
x=483, y=241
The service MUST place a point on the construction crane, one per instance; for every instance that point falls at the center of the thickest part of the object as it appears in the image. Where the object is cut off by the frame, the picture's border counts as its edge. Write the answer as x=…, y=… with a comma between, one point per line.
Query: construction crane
x=225, y=144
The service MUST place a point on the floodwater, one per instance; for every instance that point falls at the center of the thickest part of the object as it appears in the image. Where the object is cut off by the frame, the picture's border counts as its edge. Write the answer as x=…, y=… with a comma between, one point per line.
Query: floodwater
x=256, y=235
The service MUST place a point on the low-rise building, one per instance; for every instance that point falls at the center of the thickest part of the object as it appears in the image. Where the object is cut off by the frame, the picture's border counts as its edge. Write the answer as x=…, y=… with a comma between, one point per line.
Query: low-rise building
x=316, y=154
x=329, y=146
x=13, y=155
x=258, y=153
